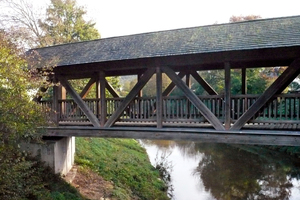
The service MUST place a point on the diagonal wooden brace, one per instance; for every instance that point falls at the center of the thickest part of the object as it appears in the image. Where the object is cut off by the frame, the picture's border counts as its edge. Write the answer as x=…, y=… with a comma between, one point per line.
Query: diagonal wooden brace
x=78, y=100
x=132, y=94
x=87, y=88
x=111, y=90
x=194, y=99
x=277, y=87
x=171, y=86
x=203, y=83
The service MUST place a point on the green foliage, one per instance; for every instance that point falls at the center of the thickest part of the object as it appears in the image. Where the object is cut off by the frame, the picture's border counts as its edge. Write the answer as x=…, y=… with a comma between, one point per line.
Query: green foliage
x=81, y=83
x=21, y=177
x=19, y=116
x=150, y=88
x=65, y=23
x=257, y=81
x=124, y=163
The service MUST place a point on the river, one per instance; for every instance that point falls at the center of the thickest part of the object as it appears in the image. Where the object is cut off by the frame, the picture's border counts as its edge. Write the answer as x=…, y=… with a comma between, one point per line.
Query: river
x=225, y=172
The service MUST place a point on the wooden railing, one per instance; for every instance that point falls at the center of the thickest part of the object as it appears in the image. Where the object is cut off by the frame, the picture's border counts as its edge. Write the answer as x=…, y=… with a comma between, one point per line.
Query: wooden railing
x=283, y=108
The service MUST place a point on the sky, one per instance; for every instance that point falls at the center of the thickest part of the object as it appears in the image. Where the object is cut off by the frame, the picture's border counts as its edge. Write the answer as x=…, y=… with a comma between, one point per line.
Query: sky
x=126, y=17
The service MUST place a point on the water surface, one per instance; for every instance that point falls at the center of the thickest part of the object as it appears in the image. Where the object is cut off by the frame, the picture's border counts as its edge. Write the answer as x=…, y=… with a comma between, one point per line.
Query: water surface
x=225, y=172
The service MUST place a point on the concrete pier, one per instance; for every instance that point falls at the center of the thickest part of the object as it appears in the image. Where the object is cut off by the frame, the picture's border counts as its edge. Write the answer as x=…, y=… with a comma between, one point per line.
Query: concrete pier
x=56, y=152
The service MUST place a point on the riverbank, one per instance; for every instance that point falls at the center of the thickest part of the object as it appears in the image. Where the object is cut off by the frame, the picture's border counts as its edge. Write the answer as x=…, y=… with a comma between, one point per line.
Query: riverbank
x=123, y=165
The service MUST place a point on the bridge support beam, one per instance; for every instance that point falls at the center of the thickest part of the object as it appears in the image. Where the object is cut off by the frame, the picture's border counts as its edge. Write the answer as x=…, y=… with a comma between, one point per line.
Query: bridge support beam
x=103, y=111
x=194, y=99
x=90, y=115
x=55, y=105
x=87, y=88
x=203, y=83
x=172, y=85
x=57, y=152
x=277, y=87
x=132, y=94
x=159, y=99
x=227, y=98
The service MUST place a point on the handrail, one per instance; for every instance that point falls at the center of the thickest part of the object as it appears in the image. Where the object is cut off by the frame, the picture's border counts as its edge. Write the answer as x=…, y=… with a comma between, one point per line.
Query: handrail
x=178, y=109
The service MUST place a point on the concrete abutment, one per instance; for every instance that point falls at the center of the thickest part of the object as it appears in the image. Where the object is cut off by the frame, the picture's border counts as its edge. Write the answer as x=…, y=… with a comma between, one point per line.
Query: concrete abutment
x=57, y=152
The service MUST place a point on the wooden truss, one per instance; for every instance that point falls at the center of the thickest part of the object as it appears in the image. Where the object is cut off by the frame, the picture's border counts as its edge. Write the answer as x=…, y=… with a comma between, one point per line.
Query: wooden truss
x=108, y=121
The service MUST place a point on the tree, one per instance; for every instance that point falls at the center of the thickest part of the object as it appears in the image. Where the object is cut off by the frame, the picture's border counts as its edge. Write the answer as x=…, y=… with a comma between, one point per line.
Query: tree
x=243, y=18
x=19, y=115
x=19, y=120
x=64, y=23
x=20, y=18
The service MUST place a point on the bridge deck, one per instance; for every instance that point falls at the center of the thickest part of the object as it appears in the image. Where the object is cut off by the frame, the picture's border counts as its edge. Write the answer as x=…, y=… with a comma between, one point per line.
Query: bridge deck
x=261, y=137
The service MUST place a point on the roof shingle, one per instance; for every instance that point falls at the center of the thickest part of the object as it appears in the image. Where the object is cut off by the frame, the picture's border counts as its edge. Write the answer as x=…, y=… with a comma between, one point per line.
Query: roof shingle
x=257, y=34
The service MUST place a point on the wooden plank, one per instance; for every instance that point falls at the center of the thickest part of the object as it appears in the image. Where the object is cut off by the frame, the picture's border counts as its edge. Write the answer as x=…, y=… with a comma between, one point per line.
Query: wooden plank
x=140, y=94
x=287, y=138
x=98, y=96
x=203, y=83
x=244, y=81
x=172, y=85
x=103, y=107
x=227, y=94
x=90, y=115
x=111, y=90
x=132, y=94
x=277, y=87
x=188, y=104
x=55, y=106
x=188, y=80
x=244, y=85
x=194, y=99
x=62, y=95
x=159, y=99
x=87, y=88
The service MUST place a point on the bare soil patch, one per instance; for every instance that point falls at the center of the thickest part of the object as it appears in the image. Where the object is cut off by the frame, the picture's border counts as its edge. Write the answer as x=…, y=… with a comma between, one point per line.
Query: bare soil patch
x=90, y=184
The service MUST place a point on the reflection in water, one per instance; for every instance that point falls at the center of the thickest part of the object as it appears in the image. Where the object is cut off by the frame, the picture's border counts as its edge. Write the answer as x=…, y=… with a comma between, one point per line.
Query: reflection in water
x=225, y=172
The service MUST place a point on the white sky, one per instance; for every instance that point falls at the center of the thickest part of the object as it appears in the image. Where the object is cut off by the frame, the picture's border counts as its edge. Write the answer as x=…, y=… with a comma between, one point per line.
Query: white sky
x=124, y=17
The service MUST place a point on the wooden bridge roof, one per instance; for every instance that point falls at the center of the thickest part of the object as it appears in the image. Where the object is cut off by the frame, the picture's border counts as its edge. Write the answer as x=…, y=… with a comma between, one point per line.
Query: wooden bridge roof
x=266, y=42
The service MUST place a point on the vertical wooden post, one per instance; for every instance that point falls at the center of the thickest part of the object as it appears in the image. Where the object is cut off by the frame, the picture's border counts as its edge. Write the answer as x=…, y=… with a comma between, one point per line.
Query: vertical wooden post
x=188, y=83
x=140, y=94
x=62, y=95
x=98, y=96
x=131, y=95
x=78, y=100
x=244, y=87
x=227, y=96
x=244, y=81
x=103, y=98
x=194, y=99
x=55, y=105
x=159, y=103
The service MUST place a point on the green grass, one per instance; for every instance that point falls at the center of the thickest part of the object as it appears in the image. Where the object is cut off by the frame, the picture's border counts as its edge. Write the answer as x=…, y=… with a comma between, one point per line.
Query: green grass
x=125, y=163
x=24, y=177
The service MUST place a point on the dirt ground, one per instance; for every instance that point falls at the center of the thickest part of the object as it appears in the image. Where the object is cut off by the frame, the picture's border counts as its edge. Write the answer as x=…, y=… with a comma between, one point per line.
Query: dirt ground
x=89, y=184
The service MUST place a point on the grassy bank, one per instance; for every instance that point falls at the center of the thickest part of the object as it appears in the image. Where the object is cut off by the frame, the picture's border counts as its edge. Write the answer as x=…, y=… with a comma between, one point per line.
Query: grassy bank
x=124, y=163
x=23, y=177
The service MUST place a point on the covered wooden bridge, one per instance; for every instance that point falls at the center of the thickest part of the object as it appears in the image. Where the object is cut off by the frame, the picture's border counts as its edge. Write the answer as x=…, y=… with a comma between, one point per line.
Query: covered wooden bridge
x=272, y=117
